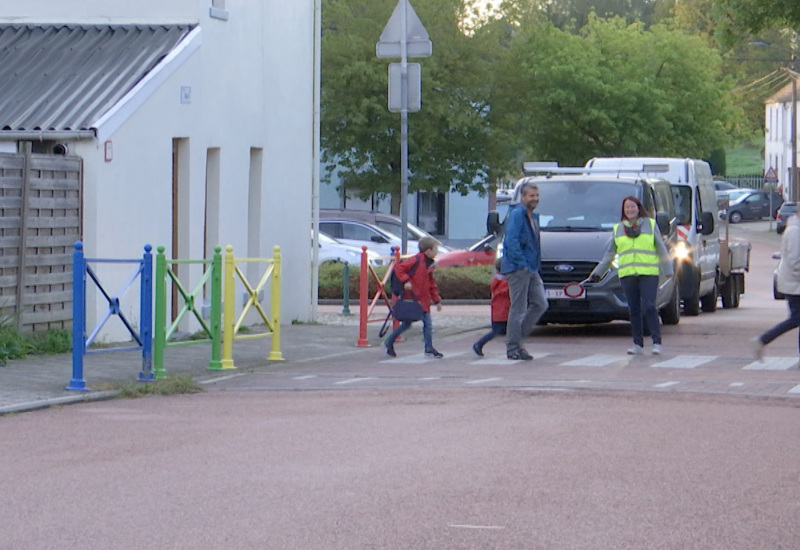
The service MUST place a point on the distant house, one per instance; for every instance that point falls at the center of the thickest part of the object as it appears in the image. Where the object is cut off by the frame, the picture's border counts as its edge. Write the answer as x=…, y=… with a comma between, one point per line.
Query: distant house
x=778, y=138
x=184, y=123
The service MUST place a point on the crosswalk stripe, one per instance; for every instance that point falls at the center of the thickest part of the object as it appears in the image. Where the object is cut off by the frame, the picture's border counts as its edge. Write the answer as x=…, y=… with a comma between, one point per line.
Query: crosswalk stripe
x=795, y=389
x=772, y=363
x=666, y=384
x=595, y=361
x=685, y=361
x=482, y=380
x=354, y=380
x=503, y=360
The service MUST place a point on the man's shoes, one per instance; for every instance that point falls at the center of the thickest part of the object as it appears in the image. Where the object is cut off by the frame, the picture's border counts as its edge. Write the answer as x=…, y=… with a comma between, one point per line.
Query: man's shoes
x=758, y=348
x=390, y=351
x=520, y=355
x=656, y=349
x=636, y=350
x=477, y=349
x=434, y=353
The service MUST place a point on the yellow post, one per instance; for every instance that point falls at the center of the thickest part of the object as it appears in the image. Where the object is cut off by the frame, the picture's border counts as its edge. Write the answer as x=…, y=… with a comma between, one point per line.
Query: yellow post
x=275, y=306
x=229, y=310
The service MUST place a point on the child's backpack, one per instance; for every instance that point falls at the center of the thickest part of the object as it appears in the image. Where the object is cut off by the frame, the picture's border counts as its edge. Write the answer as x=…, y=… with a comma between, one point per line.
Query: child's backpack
x=395, y=285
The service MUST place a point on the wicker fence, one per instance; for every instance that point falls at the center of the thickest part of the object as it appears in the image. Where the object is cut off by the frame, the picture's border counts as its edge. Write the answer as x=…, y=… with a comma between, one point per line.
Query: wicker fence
x=40, y=220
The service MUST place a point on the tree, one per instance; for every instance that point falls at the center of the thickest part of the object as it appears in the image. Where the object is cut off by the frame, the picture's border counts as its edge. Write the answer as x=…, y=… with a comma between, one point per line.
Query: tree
x=754, y=16
x=615, y=90
x=450, y=145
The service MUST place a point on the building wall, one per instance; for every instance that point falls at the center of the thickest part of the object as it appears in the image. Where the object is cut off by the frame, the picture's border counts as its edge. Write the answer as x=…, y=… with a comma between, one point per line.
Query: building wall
x=252, y=92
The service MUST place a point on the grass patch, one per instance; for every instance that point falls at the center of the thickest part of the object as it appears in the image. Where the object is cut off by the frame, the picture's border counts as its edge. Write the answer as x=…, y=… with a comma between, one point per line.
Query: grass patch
x=171, y=386
x=14, y=345
x=744, y=160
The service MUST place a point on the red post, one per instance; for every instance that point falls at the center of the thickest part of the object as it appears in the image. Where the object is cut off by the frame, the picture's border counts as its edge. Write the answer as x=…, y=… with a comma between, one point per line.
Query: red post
x=395, y=322
x=363, y=298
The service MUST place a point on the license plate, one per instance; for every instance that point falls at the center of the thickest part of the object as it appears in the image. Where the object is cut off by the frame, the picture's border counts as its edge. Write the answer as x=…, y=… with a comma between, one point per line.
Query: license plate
x=559, y=294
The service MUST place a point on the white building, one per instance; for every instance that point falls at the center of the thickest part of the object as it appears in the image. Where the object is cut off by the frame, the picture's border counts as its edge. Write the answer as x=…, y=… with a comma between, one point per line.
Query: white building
x=212, y=142
x=778, y=138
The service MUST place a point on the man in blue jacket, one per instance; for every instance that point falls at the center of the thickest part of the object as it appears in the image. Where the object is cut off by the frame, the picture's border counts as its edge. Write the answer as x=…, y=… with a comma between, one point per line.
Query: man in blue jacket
x=520, y=264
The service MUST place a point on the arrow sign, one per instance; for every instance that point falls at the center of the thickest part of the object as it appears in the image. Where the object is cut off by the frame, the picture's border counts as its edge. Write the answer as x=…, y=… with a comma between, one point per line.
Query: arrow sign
x=418, y=43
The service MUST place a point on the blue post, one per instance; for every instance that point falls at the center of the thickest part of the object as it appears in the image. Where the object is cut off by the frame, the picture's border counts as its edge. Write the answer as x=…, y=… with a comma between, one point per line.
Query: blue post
x=146, y=315
x=78, y=318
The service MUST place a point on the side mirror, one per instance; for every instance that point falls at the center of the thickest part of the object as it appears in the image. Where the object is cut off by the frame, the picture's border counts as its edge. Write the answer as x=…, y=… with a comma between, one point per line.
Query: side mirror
x=706, y=225
x=493, y=224
x=662, y=221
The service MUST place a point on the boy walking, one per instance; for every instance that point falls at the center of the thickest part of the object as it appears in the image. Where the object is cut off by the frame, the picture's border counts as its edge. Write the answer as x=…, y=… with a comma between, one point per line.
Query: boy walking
x=500, y=304
x=423, y=285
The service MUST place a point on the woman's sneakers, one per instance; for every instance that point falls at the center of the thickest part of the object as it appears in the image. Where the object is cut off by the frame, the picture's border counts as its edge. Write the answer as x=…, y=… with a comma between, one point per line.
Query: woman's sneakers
x=758, y=348
x=636, y=350
x=656, y=349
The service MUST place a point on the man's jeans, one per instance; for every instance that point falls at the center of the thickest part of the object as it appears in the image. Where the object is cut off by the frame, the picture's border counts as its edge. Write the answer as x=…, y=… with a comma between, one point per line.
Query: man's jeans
x=786, y=325
x=528, y=304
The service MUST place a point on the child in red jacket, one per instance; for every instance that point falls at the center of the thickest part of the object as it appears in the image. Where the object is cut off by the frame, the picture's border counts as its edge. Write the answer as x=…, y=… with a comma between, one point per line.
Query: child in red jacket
x=423, y=285
x=501, y=302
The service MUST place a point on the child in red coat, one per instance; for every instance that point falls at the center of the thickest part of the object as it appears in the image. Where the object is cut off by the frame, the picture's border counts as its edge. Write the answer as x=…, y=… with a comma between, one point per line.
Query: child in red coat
x=501, y=302
x=423, y=285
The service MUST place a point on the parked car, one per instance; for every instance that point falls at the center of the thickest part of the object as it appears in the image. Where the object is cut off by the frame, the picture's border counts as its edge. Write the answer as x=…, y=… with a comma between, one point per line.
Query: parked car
x=358, y=234
x=331, y=250
x=753, y=205
x=482, y=252
x=786, y=210
x=720, y=185
x=388, y=222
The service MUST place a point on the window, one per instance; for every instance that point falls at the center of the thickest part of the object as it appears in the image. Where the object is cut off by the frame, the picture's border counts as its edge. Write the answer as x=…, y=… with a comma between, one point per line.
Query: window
x=331, y=229
x=357, y=232
x=217, y=10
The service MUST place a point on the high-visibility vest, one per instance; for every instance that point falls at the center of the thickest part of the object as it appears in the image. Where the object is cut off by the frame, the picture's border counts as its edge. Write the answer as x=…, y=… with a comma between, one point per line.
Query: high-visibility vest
x=638, y=255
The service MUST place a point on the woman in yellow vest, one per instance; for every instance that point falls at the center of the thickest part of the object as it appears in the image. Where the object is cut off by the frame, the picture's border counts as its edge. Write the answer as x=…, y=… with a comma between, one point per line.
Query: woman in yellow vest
x=641, y=255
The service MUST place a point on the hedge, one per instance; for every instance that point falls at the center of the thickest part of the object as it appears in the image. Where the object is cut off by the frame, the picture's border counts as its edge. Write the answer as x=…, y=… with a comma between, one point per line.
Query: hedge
x=455, y=283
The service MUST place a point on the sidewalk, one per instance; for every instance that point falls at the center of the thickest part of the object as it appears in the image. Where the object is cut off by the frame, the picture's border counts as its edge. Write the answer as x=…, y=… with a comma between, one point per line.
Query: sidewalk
x=39, y=381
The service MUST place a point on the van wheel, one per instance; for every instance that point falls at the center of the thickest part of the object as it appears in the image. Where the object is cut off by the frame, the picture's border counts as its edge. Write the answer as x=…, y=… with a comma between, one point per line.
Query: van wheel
x=691, y=303
x=671, y=313
x=709, y=301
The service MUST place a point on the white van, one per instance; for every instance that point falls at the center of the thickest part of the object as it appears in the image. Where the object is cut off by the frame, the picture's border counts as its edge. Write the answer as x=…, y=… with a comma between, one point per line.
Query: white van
x=697, y=212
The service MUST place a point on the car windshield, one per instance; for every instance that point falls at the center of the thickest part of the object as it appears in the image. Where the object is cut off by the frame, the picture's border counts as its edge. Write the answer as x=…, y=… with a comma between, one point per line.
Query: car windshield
x=414, y=232
x=569, y=205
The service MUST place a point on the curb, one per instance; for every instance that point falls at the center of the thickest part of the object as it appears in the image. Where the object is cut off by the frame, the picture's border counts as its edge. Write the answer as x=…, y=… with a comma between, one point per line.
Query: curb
x=56, y=401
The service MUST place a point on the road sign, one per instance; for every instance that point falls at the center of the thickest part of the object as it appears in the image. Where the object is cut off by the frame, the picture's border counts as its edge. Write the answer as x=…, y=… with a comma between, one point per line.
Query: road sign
x=418, y=43
x=414, y=102
x=771, y=176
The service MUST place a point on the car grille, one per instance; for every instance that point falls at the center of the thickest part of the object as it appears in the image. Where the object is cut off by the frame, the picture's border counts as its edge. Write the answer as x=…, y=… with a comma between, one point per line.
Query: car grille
x=560, y=273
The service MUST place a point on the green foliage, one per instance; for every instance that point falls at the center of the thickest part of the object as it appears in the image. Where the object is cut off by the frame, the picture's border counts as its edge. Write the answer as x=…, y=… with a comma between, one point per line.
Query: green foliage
x=455, y=283
x=14, y=345
x=717, y=161
x=171, y=386
x=735, y=16
x=744, y=160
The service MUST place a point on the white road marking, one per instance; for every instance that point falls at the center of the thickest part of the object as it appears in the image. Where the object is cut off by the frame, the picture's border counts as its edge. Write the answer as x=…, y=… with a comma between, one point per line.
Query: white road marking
x=220, y=378
x=594, y=361
x=685, y=361
x=306, y=377
x=666, y=384
x=736, y=384
x=483, y=380
x=354, y=380
x=795, y=389
x=456, y=526
x=503, y=360
x=431, y=378
x=772, y=363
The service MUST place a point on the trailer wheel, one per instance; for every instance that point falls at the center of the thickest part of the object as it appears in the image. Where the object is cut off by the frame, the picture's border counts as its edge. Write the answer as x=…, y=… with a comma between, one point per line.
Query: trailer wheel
x=730, y=291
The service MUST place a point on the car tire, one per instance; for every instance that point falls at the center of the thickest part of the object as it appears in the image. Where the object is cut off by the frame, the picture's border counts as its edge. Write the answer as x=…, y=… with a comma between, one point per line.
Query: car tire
x=735, y=217
x=691, y=303
x=708, y=303
x=671, y=313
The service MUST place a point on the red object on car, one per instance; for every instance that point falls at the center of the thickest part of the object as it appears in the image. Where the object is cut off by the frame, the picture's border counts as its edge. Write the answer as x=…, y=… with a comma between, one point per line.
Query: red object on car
x=481, y=253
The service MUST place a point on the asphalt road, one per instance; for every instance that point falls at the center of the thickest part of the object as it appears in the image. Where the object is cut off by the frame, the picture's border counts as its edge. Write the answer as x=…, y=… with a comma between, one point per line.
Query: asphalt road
x=361, y=452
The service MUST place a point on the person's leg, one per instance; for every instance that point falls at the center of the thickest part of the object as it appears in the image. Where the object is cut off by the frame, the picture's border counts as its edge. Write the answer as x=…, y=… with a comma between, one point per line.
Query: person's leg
x=630, y=286
x=537, y=304
x=649, y=288
x=427, y=330
x=401, y=328
x=786, y=325
x=518, y=291
x=488, y=336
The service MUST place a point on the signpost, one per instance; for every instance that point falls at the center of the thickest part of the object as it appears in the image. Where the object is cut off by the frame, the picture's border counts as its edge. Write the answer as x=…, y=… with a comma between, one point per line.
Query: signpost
x=404, y=36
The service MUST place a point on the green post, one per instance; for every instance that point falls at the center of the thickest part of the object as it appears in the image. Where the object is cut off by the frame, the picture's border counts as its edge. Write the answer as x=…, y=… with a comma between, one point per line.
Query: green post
x=160, y=333
x=216, y=310
x=346, y=289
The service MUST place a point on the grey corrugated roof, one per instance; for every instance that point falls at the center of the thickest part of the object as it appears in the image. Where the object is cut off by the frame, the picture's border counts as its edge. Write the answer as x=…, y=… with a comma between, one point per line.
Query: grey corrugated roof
x=64, y=77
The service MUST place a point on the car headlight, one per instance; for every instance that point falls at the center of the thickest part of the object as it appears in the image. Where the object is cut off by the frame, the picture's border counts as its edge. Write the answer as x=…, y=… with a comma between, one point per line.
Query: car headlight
x=681, y=251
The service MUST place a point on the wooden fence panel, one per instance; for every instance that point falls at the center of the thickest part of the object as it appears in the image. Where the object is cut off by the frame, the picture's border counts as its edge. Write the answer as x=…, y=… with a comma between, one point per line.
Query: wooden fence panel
x=40, y=220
